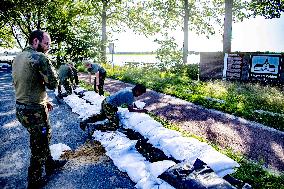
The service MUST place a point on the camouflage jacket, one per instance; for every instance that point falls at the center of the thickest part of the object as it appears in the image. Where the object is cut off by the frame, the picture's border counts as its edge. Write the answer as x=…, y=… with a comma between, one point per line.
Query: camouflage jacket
x=32, y=72
x=65, y=72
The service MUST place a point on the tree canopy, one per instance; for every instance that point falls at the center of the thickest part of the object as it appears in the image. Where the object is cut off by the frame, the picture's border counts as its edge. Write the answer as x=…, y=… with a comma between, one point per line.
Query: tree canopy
x=83, y=28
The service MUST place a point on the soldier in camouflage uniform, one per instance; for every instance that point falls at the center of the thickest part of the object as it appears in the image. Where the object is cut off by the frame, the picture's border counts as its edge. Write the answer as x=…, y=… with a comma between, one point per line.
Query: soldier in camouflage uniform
x=32, y=72
x=110, y=106
x=100, y=75
x=67, y=75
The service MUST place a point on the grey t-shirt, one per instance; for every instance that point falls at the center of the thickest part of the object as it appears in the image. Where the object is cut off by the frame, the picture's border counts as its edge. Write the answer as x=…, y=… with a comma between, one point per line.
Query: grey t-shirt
x=96, y=68
x=124, y=96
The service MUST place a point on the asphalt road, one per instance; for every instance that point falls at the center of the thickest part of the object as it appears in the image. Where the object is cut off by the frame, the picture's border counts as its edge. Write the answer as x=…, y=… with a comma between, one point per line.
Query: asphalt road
x=88, y=168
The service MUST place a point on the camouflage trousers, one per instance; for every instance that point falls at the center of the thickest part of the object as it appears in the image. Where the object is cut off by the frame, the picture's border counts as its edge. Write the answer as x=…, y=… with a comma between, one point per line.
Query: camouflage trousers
x=35, y=119
x=67, y=86
x=108, y=112
x=102, y=77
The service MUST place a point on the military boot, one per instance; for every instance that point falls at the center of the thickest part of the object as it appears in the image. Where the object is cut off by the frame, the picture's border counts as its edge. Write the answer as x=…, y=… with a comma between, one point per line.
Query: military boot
x=35, y=179
x=83, y=125
x=51, y=166
x=95, y=85
x=101, y=90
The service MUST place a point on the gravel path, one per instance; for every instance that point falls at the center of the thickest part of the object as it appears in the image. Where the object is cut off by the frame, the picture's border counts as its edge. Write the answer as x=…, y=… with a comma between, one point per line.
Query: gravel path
x=89, y=167
x=256, y=141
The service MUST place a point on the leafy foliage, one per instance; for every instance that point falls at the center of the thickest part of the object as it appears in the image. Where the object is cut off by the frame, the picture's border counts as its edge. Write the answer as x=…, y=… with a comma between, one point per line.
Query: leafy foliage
x=267, y=8
x=168, y=54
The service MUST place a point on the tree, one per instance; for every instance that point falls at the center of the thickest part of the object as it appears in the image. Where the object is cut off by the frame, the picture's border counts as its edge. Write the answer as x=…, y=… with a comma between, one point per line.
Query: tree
x=227, y=37
x=267, y=8
x=20, y=17
x=117, y=15
x=187, y=15
x=67, y=21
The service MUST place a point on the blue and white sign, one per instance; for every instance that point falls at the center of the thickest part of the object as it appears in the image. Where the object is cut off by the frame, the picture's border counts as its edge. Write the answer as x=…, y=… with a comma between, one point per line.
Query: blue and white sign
x=265, y=66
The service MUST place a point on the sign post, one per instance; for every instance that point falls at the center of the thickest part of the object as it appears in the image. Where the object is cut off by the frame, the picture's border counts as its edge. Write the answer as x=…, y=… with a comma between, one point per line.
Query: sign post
x=111, y=50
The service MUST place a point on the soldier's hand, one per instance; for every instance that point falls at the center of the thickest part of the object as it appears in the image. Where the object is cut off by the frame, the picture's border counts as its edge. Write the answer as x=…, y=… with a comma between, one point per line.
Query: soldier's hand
x=49, y=106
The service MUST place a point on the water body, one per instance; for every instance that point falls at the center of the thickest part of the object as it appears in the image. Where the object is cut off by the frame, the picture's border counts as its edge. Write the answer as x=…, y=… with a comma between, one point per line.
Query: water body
x=122, y=59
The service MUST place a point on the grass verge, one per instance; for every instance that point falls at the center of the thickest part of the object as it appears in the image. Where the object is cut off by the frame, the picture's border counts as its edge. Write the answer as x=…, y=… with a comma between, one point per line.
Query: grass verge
x=255, y=102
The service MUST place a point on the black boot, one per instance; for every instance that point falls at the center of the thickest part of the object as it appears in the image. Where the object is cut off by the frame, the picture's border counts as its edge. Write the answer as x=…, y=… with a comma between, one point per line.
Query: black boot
x=35, y=179
x=101, y=90
x=83, y=125
x=95, y=85
x=51, y=166
x=35, y=184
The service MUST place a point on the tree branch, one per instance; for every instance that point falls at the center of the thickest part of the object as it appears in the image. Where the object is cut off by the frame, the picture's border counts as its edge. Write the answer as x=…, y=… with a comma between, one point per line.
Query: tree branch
x=15, y=36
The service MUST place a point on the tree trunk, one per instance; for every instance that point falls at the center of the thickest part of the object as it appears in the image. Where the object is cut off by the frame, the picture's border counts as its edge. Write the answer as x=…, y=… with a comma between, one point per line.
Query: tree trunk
x=104, y=35
x=38, y=18
x=227, y=37
x=185, y=32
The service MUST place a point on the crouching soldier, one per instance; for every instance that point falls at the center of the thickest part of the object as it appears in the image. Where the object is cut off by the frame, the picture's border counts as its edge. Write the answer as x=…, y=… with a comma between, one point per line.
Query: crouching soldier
x=67, y=75
x=110, y=106
x=100, y=75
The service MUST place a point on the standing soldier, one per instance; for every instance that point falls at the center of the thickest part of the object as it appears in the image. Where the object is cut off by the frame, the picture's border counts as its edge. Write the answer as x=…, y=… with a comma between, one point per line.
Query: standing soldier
x=67, y=75
x=32, y=72
x=100, y=75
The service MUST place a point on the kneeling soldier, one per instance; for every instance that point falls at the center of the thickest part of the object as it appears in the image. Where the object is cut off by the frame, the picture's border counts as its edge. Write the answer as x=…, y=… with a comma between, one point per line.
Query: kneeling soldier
x=110, y=106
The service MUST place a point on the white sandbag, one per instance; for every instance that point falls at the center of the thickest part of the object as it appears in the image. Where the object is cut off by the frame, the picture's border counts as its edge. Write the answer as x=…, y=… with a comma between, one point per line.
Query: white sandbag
x=137, y=171
x=94, y=98
x=182, y=148
x=218, y=162
x=121, y=112
x=139, y=104
x=111, y=140
x=147, y=183
x=159, y=133
x=136, y=118
x=226, y=172
x=133, y=163
x=120, y=146
x=105, y=138
x=57, y=150
x=153, y=183
x=146, y=126
x=157, y=168
x=79, y=89
x=81, y=107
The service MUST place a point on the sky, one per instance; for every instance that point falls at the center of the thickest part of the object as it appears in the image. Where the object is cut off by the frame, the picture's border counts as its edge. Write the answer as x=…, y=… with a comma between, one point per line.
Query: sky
x=255, y=34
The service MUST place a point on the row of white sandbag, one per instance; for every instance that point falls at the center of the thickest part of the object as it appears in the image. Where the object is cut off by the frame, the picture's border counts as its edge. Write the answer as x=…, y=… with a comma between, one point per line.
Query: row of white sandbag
x=169, y=141
x=125, y=156
x=173, y=144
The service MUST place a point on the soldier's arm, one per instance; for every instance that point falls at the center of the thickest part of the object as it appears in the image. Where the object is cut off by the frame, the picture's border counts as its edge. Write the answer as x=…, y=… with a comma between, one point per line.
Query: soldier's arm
x=46, y=70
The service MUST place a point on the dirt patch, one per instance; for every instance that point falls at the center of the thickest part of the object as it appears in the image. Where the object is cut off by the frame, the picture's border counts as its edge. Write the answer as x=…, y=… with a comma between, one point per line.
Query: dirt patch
x=90, y=152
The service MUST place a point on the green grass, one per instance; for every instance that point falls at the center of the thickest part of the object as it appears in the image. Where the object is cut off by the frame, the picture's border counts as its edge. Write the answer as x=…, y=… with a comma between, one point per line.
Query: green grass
x=241, y=99
x=249, y=172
